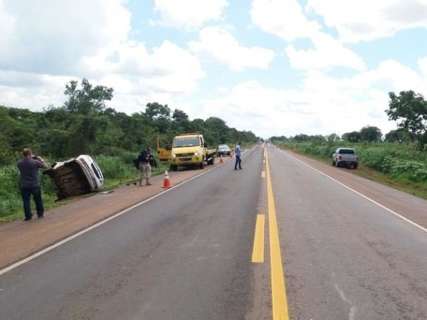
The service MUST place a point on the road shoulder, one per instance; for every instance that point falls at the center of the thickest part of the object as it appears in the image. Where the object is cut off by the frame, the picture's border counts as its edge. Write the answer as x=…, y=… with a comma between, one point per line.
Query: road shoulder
x=404, y=204
x=21, y=239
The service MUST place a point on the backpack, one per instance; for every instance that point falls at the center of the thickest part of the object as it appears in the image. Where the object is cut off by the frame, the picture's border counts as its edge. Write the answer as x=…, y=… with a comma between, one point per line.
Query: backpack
x=136, y=163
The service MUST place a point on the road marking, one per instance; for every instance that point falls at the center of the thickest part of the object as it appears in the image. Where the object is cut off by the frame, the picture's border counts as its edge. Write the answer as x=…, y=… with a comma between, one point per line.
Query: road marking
x=361, y=194
x=278, y=286
x=353, y=309
x=100, y=223
x=258, y=248
x=263, y=174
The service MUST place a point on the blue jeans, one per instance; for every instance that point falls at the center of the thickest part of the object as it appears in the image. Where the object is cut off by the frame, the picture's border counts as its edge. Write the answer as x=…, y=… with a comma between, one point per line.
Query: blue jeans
x=238, y=163
x=26, y=198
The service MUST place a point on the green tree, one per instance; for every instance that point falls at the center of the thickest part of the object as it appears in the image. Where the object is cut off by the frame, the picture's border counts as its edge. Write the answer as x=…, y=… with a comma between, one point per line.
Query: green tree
x=301, y=138
x=399, y=136
x=353, y=136
x=332, y=138
x=87, y=99
x=180, y=121
x=410, y=111
x=158, y=116
x=370, y=134
x=215, y=131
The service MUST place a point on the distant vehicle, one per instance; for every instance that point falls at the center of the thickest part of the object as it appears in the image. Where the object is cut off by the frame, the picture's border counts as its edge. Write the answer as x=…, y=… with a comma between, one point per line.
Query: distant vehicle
x=76, y=176
x=223, y=150
x=190, y=150
x=345, y=157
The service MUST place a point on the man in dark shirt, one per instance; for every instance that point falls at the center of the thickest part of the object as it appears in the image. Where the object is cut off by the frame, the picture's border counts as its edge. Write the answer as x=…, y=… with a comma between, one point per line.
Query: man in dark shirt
x=238, y=154
x=145, y=160
x=30, y=183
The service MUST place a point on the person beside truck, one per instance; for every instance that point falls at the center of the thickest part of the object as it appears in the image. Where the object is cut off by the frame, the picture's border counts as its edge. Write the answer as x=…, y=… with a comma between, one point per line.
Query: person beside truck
x=145, y=161
x=29, y=182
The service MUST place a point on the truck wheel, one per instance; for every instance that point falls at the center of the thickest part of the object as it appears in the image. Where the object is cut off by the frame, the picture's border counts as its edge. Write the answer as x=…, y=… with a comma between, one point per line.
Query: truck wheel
x=211, y=161
x=202, y=165
x=355, y=166
x=173, y=167
x=333, y=163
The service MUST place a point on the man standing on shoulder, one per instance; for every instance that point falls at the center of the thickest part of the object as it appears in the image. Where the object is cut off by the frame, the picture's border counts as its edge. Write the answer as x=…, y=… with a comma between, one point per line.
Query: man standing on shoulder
x=238, y=154
x=30, y=182
x=145, y=159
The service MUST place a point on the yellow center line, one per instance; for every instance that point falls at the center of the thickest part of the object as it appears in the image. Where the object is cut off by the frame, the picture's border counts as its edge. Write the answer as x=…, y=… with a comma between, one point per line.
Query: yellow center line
x=258, y=248
x=278, y=287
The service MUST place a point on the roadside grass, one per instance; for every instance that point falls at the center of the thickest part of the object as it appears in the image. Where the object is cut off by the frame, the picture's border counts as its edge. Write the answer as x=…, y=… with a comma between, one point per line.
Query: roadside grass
x=407, y=175
x=118, y=170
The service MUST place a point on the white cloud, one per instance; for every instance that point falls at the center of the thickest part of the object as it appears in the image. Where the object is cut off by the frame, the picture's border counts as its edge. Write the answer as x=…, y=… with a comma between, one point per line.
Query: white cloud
x=189, y=13
x=287, y=20
x=46, y=46
x=366, y=20
x=52, y=37
x=323, y=104
x=423, y=66
x=167, y=68
x=222, y=46
x=327, y=53
x=283, y=18
x=22, y=89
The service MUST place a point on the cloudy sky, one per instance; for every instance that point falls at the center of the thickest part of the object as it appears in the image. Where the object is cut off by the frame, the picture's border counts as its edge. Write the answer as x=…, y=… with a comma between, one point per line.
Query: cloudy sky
x=272, y=66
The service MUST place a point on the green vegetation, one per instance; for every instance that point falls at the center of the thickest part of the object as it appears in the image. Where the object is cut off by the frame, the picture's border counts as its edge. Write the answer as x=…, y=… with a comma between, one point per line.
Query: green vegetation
x=400, y=160
x=400, y=166
x=85, y=125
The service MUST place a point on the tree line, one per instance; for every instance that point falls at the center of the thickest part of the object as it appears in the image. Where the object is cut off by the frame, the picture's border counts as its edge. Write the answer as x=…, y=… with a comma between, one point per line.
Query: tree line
x=85, y=125
x=408, y=109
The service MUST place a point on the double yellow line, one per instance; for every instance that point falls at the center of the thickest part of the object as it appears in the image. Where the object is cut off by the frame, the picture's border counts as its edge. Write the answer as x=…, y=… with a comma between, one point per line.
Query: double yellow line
x=278, y=286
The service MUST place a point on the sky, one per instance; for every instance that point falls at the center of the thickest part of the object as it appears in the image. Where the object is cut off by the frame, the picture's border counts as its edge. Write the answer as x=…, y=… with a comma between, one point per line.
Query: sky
x=276, y=67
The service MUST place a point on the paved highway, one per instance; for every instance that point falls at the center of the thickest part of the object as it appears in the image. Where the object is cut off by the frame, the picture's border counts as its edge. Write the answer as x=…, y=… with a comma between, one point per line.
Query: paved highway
x=189, y=254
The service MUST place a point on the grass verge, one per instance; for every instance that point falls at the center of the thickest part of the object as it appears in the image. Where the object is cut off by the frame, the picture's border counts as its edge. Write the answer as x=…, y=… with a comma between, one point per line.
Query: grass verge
x=418, y=189
x=117, y=170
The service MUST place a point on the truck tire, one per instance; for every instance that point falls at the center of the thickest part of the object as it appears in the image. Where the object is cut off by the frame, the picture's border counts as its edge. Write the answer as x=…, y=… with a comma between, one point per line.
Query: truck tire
x=202, y=165
x=334, y=163
x=173, y=167
x=355, y=165
x=211, y=161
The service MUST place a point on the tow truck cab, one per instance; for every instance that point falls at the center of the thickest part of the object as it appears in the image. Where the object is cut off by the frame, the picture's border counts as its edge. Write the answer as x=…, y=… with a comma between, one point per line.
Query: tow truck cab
x=190, y=150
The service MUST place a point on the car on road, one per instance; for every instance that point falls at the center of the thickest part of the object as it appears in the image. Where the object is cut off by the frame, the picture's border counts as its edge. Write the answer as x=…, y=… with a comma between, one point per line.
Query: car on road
x=223, y=150
x=345, y=157
x=76, y=176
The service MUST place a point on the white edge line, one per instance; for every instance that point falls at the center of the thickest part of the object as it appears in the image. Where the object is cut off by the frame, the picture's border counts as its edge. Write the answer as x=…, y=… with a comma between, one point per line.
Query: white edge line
x=100, y=223
x=360, y=194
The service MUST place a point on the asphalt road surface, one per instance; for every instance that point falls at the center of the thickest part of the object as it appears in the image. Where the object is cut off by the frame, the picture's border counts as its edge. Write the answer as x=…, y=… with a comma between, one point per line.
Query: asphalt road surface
x=187, y=255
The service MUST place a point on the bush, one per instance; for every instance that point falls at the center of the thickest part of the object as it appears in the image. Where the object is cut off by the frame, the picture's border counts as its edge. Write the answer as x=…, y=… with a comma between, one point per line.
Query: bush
x=115, y=167
x=400, y=161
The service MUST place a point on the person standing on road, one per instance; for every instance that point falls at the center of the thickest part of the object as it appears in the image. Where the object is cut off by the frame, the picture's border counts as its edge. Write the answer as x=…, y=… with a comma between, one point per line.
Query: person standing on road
x=238, y=154
x=145, y=159
x=30, y=182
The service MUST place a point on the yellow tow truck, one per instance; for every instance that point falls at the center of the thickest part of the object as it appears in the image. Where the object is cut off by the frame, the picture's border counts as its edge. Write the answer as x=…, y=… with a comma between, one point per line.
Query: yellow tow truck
x=190, y=149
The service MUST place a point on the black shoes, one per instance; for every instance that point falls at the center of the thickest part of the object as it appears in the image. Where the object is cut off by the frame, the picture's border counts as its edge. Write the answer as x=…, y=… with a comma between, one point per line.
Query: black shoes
x=40, y=216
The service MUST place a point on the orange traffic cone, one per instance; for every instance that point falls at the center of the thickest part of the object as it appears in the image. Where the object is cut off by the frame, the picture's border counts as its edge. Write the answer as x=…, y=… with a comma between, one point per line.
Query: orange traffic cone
x=166, y=181
x=221, y=160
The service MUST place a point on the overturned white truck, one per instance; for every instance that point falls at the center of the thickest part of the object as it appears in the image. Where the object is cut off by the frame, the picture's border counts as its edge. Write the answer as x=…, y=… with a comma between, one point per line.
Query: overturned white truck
x=76, y=176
